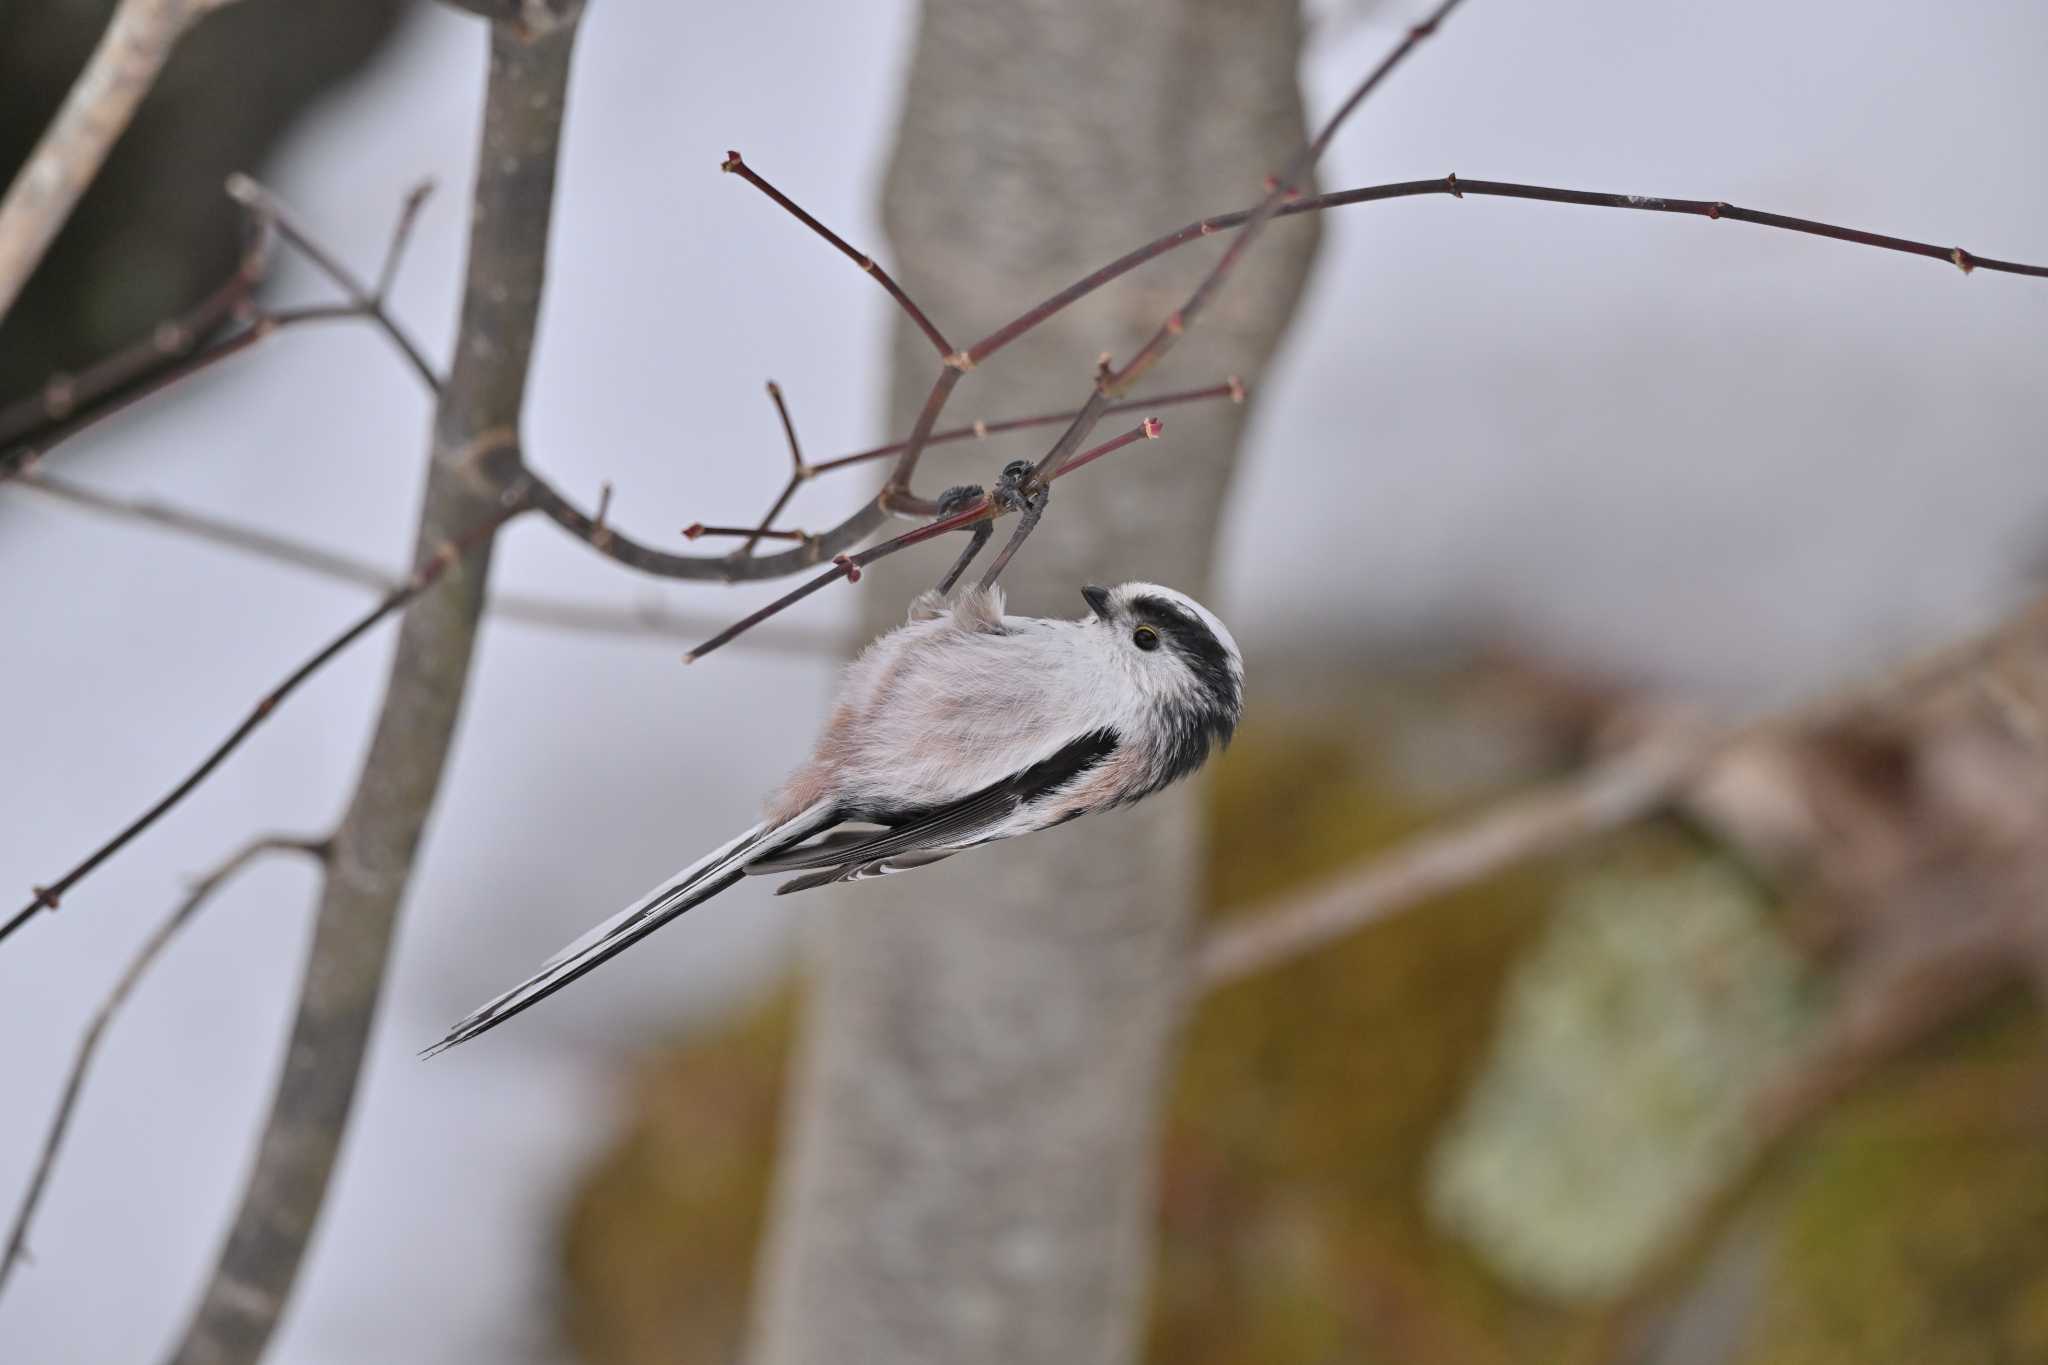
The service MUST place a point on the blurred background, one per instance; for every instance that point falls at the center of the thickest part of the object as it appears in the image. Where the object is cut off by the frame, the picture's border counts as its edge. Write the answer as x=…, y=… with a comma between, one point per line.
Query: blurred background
x=1523, y=475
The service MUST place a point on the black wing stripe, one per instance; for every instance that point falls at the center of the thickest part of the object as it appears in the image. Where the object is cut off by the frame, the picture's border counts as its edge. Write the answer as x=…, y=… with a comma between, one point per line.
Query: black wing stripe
x=963, y=817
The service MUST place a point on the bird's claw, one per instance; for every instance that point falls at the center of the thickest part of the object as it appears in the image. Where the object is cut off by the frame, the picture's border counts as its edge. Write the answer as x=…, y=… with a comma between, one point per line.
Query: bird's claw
x=1017, y=491
x=958, y=498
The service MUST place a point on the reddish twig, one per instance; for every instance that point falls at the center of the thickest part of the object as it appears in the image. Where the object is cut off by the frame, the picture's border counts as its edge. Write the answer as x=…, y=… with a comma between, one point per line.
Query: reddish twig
x=735, y=166
x=799, y=473
x=430, y=572
x=16, y=1249
x=1284, y=188
x=1232, y=388
x=849, y=566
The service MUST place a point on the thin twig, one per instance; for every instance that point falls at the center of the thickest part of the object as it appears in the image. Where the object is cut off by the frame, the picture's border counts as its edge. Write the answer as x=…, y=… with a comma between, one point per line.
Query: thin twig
x=368, y=302
x=798, y=473
x=429, y=572
x=16, y=1249
x=697, y=530
x=64, y=395
x=137, y=41
x=1284, y=188
x=70, y=404
x=1457, y=187
x=849, y=566
x=1232, y=388
x=394, y=250
x=734, y=165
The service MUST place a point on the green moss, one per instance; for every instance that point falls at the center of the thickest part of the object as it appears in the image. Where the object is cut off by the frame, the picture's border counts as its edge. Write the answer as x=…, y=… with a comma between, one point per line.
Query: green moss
x=1917, y=1227
x=1616, y=1105
x=1308, y=1098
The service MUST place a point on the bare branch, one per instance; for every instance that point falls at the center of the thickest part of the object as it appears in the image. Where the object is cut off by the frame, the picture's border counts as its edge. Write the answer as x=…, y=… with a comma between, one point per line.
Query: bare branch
x=1284, y=188
x=736, y=166
x=1232, y=388
x=67, y=405
x=368, y=302
x=430, y=571
x=119, y=73
x=202, y=890
x=63, y=396
x=798, y=473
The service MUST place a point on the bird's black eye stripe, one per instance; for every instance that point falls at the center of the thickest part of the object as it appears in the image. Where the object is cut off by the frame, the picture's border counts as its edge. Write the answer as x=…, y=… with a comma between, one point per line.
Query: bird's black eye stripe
x=1195, y=643
x=1145, y=638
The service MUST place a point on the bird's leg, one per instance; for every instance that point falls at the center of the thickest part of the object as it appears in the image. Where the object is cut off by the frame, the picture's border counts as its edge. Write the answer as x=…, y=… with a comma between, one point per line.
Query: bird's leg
x=953, y=500
x=1011, y=494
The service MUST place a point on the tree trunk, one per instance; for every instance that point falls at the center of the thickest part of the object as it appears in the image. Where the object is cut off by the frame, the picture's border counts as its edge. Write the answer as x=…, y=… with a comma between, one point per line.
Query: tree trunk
x=968, y=1171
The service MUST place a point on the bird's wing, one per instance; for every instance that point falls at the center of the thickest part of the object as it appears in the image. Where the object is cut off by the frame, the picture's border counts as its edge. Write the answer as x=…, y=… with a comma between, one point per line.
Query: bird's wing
x=860, y=872
x=972, y=819
x=694, y=885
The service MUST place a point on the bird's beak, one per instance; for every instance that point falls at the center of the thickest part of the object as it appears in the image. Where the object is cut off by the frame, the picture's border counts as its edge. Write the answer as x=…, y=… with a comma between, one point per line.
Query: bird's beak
x=1098, y=600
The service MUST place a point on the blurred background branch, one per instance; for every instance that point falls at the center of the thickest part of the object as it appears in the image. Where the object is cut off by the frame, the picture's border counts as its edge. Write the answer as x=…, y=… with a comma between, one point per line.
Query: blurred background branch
x=96, y=112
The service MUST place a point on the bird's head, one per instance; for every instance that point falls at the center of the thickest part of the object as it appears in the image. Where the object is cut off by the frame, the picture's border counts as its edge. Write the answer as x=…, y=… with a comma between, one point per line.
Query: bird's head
x=1179, y=655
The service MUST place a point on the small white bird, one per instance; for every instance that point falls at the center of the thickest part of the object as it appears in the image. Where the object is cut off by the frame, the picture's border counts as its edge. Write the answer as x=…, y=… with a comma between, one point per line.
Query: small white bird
x=958, y=728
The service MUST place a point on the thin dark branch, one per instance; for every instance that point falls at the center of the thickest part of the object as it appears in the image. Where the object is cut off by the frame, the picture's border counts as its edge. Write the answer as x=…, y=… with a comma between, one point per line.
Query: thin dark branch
x=47, y=897
x=697, y=530
x=705, y=568
x=1457, y=187
x=16, y=1249
x=64, y=395
x=734, y=165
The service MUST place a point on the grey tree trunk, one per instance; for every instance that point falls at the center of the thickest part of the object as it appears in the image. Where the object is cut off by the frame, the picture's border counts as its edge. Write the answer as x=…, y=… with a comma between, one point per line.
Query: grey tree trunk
x=968, y=1167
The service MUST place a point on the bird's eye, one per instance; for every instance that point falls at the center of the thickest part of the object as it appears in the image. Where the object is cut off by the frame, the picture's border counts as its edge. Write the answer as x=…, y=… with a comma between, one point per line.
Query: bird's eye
x=1146, y=638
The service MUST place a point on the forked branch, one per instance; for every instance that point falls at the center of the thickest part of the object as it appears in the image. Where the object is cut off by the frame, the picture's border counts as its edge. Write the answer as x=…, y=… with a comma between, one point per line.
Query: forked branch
x=192, y=342
x=429, y=572
x=16, y=1249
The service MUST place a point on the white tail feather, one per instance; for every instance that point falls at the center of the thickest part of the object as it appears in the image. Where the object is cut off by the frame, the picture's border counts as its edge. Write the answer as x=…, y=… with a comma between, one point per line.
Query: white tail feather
x=692, y=886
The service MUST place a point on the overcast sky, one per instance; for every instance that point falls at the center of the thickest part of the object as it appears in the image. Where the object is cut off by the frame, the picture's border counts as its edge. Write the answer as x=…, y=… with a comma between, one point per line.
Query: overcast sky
x=1732, y=461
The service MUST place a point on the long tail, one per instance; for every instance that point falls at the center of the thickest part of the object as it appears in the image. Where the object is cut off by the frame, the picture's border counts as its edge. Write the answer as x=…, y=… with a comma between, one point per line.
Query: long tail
x=694, y=885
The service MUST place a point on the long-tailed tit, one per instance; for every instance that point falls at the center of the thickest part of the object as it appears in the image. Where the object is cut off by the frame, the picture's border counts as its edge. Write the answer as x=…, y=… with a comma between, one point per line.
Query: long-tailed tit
x=961, y=727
